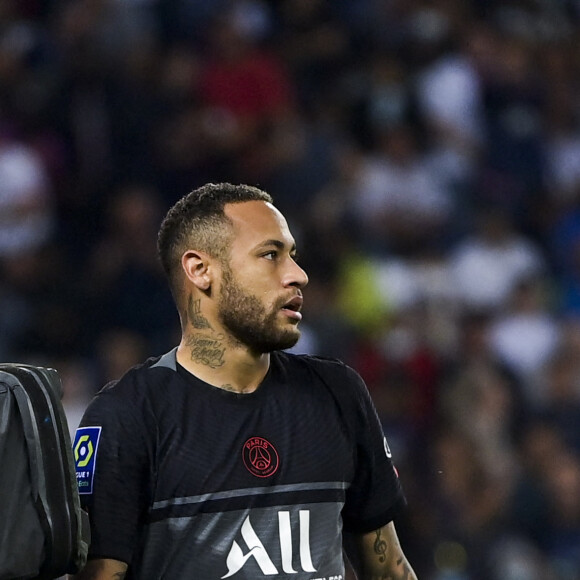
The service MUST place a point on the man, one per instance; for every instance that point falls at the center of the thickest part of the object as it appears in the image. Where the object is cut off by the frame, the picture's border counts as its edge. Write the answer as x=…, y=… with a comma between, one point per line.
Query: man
x=226, y=457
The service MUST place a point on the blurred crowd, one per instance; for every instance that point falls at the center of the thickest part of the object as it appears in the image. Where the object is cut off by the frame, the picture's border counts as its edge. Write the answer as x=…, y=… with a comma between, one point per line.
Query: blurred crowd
x=427, y=156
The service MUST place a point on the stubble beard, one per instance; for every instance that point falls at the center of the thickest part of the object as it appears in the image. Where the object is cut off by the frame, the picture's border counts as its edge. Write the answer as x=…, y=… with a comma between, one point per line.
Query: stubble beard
x=248, y=322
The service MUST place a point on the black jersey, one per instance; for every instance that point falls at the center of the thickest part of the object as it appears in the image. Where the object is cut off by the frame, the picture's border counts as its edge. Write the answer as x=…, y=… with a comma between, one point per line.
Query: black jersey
x=183, y=480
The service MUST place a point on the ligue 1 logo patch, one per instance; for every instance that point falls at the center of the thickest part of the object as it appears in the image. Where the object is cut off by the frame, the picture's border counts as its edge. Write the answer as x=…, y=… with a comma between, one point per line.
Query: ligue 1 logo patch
x=85, y=448
x=260, y=457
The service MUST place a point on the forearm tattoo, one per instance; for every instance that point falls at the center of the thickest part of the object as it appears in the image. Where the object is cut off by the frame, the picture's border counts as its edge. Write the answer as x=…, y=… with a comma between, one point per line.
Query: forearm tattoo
x=406, y=572
x=403, y=569
x=380, y=546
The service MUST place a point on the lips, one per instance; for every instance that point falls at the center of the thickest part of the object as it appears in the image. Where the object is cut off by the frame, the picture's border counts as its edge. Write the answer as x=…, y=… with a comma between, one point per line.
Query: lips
x=293, y=306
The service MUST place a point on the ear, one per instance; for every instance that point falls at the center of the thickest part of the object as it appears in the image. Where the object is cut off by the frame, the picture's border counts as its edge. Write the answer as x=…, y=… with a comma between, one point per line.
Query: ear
x=196, y=266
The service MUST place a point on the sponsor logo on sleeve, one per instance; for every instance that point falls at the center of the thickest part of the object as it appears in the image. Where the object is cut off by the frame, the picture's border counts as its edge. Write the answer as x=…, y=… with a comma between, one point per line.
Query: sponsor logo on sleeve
x=387, y=448
x=85, y=448
x=389, y=454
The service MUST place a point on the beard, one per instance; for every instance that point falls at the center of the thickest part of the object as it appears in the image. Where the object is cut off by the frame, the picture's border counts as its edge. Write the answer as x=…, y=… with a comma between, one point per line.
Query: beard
x=249, y=322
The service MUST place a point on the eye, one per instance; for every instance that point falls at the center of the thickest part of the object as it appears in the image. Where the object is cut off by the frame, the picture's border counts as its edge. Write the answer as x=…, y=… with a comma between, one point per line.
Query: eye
x=272, y=255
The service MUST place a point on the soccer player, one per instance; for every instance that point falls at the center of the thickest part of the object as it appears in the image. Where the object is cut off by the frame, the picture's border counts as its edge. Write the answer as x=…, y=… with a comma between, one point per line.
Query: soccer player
x=228, y=457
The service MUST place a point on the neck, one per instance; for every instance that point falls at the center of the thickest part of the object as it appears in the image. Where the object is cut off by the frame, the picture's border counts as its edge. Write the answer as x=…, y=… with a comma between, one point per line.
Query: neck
x=213, y=359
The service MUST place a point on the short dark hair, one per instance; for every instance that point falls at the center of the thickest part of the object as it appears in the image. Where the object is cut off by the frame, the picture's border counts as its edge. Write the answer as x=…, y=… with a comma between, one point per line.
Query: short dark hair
x=198, y=221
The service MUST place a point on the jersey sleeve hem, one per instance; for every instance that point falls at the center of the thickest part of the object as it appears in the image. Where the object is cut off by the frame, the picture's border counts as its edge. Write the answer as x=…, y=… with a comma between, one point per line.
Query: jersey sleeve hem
x=109, y=555
x=378, y=521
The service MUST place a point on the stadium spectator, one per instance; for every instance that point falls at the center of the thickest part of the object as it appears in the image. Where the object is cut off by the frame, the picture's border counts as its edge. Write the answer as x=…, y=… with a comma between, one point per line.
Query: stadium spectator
x=487, y=265
x=26, y=204
x=527, y=315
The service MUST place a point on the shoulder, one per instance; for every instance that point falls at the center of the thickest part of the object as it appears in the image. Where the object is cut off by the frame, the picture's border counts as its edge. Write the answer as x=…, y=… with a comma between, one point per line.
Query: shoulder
x=315, y=362
x=326, y=378
x=137, y=391
x=143, y=377
x=332, y=372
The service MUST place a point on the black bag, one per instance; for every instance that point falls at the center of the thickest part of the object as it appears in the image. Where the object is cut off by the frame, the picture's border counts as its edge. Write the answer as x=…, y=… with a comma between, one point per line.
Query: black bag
x=44, y=533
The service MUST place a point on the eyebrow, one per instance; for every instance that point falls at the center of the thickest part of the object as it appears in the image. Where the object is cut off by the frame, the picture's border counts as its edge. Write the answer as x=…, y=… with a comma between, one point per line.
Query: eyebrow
x=277, y=244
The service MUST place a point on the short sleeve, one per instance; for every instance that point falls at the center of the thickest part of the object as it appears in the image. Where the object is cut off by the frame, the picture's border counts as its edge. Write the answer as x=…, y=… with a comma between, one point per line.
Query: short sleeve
x=115, y=486
x=375, y=494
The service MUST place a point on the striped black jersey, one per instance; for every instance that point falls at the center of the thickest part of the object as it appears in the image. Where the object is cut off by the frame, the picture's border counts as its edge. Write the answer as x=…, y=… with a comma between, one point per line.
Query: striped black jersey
x=183, y=480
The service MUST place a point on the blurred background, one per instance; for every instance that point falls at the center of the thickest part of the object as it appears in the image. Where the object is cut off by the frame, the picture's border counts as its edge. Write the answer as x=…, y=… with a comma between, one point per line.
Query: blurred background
x=427, y=156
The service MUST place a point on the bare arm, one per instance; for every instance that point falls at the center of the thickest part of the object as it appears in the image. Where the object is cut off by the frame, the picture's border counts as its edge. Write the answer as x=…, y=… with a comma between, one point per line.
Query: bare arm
x=378, y=556
x=102, y=569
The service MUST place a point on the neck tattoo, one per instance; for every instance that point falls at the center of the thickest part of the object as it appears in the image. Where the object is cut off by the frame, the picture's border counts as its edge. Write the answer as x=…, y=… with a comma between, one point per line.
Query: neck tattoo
x=194, y=315
x=207, y=350
x=232, y=389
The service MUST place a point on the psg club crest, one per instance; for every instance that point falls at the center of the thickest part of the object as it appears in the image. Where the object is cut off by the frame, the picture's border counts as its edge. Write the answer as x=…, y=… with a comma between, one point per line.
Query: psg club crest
x=260, y=457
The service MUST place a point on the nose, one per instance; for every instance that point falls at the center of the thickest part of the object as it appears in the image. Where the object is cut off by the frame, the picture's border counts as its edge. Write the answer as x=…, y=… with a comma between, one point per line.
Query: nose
x=295, y=276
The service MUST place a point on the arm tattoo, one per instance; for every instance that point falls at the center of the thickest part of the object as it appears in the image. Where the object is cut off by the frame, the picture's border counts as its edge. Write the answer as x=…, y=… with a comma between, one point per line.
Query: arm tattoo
x=380, y=546
x=196, y=318
x=405, y=574
x=406, y=570
x=206, y=350
x=382, y=558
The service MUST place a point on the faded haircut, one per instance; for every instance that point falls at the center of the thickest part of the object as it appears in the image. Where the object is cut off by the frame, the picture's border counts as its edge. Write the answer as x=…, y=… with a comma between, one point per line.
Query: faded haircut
x=197, y=221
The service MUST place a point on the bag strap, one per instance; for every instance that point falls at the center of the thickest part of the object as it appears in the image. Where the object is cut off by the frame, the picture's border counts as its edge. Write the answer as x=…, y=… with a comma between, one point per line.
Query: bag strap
x=38, y=393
